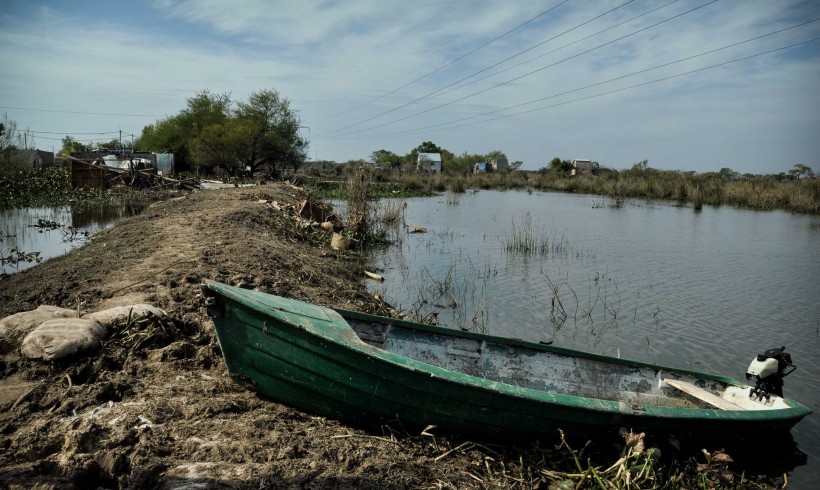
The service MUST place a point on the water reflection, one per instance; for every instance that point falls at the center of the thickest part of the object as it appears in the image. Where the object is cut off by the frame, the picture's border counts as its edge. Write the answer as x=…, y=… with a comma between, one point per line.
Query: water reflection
x=29, y=234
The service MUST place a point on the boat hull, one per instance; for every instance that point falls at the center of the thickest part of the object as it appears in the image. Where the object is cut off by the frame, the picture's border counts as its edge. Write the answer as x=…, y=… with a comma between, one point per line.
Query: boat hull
x=309, y=357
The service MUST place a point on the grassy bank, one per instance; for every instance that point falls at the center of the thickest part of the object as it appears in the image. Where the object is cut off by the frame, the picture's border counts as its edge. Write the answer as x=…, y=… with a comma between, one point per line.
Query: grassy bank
x=685, y=188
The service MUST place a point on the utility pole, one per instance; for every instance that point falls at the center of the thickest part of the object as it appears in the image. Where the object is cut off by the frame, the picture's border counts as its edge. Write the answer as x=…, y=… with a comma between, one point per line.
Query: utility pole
x=121, y=152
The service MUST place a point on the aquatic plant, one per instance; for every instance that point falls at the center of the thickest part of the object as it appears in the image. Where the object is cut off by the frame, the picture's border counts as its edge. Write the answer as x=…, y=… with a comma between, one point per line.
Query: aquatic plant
x=525, y=238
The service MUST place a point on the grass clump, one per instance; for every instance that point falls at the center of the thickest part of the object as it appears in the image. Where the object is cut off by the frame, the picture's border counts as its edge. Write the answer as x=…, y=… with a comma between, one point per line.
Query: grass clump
x=525, y=238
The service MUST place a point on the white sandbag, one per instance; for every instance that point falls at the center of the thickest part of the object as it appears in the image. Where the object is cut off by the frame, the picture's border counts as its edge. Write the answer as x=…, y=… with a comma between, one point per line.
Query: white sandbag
x=63, y=337
x=14, y=327
x=121, y=314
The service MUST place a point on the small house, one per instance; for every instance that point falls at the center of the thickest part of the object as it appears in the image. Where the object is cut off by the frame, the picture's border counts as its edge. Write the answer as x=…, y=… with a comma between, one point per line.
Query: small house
x=499, y=164
x=581, y=167
x=480, y=167
x=429, y=162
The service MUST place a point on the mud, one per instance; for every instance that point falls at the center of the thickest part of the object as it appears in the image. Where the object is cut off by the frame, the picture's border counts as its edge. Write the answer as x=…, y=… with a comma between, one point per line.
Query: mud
x=155, y=407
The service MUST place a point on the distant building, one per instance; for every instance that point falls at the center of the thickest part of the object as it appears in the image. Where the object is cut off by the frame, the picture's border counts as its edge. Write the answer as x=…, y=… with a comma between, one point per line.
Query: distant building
x=499, y=164
x=32, y=158
x=581, y=167
x=429, y=162
x=480, y=167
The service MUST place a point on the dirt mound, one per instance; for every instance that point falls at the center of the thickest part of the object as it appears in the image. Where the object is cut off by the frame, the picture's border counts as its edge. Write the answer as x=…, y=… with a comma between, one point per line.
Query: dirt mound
x=154, y=406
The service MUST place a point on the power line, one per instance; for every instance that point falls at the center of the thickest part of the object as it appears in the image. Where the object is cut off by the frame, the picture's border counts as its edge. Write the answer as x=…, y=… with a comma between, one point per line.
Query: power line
x=68, y=132
x=449, y=63
x=419, y=131
x=549, y=52
x=79, y=112
x=612, y=79
x=532, y=72
x=79, y=139
x=485, y=69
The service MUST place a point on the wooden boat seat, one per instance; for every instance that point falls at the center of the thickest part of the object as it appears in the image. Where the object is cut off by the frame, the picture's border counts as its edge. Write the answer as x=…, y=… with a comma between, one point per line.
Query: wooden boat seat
x=703, y=395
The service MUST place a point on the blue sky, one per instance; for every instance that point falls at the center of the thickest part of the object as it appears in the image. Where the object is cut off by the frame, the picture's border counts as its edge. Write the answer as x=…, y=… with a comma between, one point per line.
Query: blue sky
x=340, y=64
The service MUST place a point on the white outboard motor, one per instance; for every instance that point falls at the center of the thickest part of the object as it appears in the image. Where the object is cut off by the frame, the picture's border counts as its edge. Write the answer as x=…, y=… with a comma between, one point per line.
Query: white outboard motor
x=768, y=370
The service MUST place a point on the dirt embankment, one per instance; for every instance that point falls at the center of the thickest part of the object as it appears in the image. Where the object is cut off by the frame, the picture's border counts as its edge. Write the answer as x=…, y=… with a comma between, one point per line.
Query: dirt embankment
x=155, y=407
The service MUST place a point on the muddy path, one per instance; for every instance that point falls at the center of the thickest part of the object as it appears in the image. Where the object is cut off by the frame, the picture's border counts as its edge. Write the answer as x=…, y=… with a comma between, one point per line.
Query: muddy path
x=155, y=407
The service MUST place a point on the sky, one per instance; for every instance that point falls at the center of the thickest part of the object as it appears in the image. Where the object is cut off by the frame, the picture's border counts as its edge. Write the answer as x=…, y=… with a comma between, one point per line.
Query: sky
x=688, y=85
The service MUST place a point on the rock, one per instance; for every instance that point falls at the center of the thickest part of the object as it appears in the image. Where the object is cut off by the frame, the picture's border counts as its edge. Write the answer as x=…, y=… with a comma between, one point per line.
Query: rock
x=14, y=328
x=121, y=314
x=63, y=337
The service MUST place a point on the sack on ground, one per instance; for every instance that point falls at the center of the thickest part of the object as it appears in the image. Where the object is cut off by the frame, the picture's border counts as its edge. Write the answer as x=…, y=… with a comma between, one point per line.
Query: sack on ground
x=61, y=338
x=14, y=328
x=122, y=314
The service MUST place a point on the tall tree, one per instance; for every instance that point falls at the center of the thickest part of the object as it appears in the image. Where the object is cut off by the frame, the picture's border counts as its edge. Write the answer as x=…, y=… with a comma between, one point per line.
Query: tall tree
x=272, y=129
x=174, y=134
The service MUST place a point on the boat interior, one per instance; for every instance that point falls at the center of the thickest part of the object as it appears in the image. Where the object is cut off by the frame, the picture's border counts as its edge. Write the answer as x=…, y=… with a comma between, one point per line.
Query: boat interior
x=527, y=366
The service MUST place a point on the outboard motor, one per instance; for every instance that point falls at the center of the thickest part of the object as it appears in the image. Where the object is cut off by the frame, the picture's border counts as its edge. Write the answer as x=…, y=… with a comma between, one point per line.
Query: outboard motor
x=768, y=370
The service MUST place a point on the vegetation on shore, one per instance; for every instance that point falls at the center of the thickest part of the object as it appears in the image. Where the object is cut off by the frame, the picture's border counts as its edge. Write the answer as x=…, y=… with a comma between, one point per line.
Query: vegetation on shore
x=726, y=187
x=52, y=187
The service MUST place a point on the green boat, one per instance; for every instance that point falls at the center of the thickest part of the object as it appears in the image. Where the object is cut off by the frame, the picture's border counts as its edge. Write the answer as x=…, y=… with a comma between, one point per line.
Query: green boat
x=368, y=369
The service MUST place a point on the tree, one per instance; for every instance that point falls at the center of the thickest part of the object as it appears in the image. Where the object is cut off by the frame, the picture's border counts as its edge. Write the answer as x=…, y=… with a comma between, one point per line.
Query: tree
x=801, y=169
x=272, y=131
x=10, y=140
x=640, y=167
x=496, y=154
x=727, y=173
x=72, y=147
x=561, y=166
x=116, y=144
x=174, y=134
x=516, y=165
x=212, y=132
x=386, y=158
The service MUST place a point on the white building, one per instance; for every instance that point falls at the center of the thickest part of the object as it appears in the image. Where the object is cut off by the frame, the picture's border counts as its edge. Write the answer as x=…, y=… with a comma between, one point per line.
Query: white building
x=429, y=162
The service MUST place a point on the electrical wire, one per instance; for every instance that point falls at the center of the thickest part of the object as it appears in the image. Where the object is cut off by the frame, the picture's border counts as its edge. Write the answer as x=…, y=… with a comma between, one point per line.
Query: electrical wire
x=446, y=64
x=541, y=99
x=530, y=73
x=78, y=140
x=79, y=112
x=423, y=97
x=425, y=130
x=69, y=132
x=548, y=52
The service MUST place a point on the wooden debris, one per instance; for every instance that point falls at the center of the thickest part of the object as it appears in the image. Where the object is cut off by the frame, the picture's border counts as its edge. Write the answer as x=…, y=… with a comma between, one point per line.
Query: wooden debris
x=97, y=174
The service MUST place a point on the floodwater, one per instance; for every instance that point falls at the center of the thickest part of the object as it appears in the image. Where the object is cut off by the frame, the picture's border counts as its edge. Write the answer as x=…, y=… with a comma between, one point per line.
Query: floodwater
x=52, y=231
x=703, y=290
